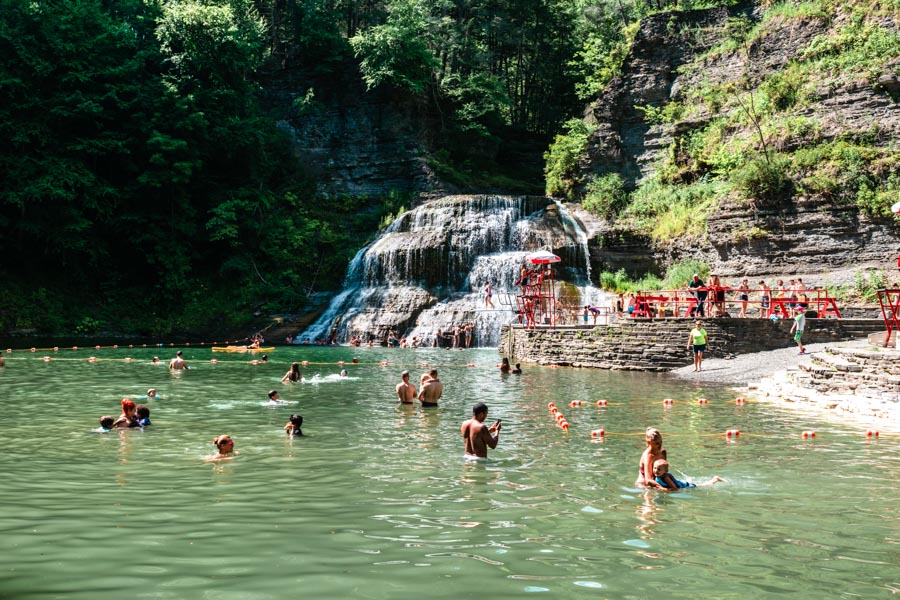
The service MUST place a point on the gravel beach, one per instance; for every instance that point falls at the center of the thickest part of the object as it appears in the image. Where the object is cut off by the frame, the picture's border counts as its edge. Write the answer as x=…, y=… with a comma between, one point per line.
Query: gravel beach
x=763, y=376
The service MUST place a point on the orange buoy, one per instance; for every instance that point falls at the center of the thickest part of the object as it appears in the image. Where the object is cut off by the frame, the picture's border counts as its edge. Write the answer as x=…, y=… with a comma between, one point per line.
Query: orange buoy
x=340, y=362
x=56, y=348
x=470, y=365
x=575, y=403
x=740, y=400
x=598, y=433
x=560, y=417
x=732, y=433
x=554, y=410
x=115, y=346
x=551, y=404
x=213, y=360
x=92, y=359
x=186, y=344
x=702, y=401
x=305, y=363
x=871, y=433
x=808, y=434
x=564, y=424
x=46, y=359
x=554, y=366
x=34, y=349
x=74, y=347
x=424, y=364
x=384, y=363
x=602, y=402
x=668, y=401
x=127, y=359
x=202, y=343
x=143, y=345
x=131, y=345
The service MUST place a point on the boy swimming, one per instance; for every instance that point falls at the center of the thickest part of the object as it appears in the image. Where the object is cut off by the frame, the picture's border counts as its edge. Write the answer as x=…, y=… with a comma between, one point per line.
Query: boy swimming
x=668, y=482
x=293, y=425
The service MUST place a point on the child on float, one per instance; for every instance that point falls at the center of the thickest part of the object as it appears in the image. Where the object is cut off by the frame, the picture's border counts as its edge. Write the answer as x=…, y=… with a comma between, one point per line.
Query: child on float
x=293, y=425
x=667, y=481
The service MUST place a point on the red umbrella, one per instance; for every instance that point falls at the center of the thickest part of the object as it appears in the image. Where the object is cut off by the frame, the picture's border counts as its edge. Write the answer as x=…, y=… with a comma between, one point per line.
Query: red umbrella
x=542, y=257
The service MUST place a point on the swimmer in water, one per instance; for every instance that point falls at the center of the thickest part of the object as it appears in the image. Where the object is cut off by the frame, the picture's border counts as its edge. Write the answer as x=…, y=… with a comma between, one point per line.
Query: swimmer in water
x=653, y=453
x=127, y=418
x=155, y=360
x=517, y=370
x=668, y=482
x=343, y=372
x=225, y=445
x=151, y=393
x=142, y=414
x=293, y=425
x=431, y=390
x=106, y=423
x=477, y=436
x=294, y=375
x=178, y=363
x=273, y=397
x=406, y=392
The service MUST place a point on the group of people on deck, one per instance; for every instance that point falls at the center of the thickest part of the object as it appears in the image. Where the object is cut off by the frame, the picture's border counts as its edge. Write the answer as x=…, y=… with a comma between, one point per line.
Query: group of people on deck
x=708, y=299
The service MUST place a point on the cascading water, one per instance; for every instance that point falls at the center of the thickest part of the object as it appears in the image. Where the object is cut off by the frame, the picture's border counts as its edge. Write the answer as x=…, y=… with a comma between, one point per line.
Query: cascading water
x=425, y=273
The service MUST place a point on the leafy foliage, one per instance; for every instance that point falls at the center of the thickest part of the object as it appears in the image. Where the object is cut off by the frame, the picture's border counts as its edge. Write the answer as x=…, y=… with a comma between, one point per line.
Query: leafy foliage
x=562, y=159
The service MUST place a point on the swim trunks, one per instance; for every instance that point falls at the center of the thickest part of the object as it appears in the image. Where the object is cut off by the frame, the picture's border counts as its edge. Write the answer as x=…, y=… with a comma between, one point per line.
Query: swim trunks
x=429, y=404
x=698, y=348
x=764, y=302
x=406, y=403
x=743, y=297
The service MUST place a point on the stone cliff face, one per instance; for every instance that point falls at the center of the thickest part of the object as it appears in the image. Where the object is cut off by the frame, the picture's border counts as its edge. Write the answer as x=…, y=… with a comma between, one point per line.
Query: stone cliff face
x=808, y=234
x=354, y=142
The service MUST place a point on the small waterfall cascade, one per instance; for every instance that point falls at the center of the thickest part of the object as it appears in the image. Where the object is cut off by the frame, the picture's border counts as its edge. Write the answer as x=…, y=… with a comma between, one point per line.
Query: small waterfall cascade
x=425, y=273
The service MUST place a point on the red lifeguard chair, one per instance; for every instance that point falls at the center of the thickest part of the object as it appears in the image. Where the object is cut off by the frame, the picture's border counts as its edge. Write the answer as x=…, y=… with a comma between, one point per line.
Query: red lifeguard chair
x=536, y=302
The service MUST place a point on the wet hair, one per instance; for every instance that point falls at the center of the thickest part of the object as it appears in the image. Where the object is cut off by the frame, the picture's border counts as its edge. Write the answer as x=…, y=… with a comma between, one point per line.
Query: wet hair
x=433, y=373
x=479, y=408
x=653, y=434
x=106, y=421
x=265, y=358
x=151, y=392
x=404, y=374
x=296, y=420
x=127, y=404
x=179, y=353
x=219, y=440
x=660, y=462
x=272, y=394
x=143, y=411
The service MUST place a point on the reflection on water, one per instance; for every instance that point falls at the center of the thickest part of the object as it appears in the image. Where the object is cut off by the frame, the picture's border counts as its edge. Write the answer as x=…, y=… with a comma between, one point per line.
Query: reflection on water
x=376, y=500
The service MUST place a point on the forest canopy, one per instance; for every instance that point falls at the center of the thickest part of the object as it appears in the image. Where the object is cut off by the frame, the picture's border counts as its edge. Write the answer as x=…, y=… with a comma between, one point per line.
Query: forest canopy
x=143, y=189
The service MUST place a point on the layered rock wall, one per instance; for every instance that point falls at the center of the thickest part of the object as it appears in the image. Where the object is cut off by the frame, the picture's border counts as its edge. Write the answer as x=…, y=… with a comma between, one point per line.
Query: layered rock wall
x=661, y=344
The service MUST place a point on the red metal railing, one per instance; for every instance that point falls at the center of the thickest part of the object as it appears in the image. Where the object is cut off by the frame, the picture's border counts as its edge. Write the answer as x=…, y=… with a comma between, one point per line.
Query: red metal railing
x=889, y=300
x=684, y=303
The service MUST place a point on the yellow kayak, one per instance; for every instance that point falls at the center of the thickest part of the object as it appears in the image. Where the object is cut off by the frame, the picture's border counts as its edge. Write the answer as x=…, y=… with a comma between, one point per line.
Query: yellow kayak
x=242, y=349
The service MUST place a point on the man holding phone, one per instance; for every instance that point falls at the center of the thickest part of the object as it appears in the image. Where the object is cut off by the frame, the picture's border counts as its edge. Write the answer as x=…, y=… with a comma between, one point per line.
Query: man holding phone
x=478, y=436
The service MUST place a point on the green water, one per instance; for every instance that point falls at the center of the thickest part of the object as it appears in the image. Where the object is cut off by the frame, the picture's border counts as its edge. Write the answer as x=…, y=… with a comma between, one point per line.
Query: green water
x=376, y=502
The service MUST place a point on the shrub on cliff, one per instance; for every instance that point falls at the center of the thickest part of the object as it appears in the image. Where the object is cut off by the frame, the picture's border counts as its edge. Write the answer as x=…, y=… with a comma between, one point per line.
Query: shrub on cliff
x=605, y=196
x=563, y=158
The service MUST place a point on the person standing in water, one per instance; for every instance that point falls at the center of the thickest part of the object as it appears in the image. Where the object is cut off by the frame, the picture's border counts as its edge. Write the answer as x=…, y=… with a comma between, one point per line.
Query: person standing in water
x=477, y=436
x=406, y=392
x=293, y=375
x=431, y=390
x=178, y=363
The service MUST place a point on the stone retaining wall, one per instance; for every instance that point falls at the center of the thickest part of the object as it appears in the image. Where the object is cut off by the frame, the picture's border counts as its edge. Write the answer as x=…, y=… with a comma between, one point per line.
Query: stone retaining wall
x=661, y=344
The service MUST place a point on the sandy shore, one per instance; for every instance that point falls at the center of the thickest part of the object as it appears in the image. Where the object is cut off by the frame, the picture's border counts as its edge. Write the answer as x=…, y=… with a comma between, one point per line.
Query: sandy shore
x=763, y=376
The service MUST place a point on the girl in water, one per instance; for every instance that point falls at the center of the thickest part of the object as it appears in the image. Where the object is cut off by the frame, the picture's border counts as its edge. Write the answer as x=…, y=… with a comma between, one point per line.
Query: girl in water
x=294, y=375
x=653, y=453
x=225, y=445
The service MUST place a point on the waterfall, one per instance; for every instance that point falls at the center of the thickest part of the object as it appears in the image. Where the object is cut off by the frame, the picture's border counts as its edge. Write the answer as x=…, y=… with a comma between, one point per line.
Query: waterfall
x=426, y=271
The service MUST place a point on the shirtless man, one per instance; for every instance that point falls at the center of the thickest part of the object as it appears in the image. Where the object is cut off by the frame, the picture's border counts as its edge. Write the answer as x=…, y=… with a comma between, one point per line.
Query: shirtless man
x=406, y=392
x=478, y=436
x=431, y=390
x=178, y=363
